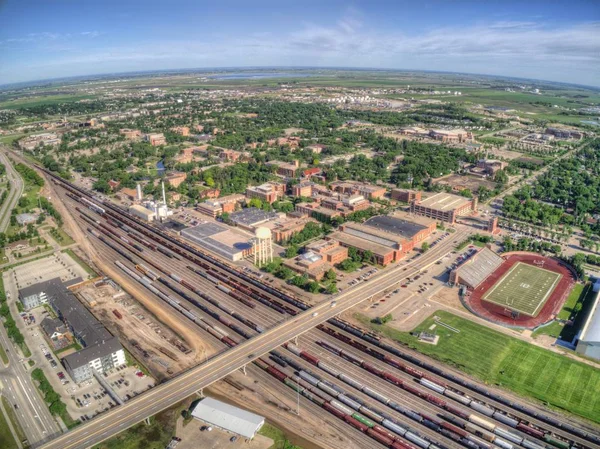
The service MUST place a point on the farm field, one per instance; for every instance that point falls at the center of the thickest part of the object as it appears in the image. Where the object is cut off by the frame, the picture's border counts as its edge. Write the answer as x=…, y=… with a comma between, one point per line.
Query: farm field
x=510, y=363
x=524, y=288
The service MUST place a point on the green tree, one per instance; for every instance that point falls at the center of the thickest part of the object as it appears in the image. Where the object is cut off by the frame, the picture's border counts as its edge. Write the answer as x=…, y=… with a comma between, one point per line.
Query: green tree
x=330, y=275
x=424, y=247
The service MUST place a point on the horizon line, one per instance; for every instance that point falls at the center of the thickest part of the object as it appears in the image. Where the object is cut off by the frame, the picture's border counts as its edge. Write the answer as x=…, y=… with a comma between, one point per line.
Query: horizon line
x=34, y=83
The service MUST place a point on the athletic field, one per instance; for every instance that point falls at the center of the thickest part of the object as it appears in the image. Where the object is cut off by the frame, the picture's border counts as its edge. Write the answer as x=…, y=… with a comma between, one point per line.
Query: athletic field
x=499, y=359
x=524, y=288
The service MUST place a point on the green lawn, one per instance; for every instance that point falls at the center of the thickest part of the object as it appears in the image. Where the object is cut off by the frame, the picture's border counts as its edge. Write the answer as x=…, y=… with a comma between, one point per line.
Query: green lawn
x=576, y=309
x=499, y=359
x=3, y=356
x=278, y=436
x=154, y=436
x=7, y=439
x=12, y=416
x=61, y=237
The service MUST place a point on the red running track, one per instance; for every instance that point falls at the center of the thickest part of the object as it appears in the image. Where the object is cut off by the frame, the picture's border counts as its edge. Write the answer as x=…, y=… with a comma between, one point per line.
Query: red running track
x=498, y=314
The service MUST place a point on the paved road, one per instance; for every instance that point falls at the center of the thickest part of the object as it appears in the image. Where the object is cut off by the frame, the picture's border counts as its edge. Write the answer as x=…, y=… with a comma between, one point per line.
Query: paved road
x=169, y=393
x=16, y=190
x=18, y=387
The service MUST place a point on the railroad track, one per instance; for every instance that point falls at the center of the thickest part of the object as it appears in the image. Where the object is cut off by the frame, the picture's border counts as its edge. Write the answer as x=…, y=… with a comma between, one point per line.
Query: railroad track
x=245, y=281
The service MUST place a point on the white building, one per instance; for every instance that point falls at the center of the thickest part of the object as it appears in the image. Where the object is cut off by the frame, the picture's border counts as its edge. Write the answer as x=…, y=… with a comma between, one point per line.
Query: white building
x=228, y=417
x=589, y=339
x=142, y=212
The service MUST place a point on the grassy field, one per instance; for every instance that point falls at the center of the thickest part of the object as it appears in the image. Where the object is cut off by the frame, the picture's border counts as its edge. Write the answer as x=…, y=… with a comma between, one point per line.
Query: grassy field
x=278, y=436
x=7, y=439
x=61, y=237
x=524, y=288
x=3, y=356
x=42, y=100
x=12, y=416
x=575, y=309
x=510, y=363
x=154, y=436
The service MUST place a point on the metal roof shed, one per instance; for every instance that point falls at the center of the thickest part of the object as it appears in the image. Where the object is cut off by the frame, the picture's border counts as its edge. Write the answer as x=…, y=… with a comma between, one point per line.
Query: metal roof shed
x=228, y=417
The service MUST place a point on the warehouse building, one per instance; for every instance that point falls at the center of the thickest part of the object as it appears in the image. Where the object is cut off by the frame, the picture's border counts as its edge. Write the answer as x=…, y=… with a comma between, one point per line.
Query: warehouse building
x=444, y=207
x=252, y=217
x=219, y=239
x=228, y=418
x=588, y=343
x=142, y=212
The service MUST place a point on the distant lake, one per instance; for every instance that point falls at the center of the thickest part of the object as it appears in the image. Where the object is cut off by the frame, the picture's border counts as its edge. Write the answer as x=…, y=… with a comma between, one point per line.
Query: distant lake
x=160, y=167
x=259, y=75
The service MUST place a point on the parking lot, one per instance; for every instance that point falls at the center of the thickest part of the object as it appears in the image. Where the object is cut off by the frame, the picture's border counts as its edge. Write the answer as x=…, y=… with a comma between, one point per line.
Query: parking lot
x=90, y=398
x=57, y=265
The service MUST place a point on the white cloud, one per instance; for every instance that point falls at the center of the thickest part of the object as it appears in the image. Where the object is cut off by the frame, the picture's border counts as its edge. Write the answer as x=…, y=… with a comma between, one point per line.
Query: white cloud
x=515, y=48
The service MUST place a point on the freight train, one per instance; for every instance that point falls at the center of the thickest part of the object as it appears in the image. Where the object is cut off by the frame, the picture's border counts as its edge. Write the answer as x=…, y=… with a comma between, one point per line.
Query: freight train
x=182, y=247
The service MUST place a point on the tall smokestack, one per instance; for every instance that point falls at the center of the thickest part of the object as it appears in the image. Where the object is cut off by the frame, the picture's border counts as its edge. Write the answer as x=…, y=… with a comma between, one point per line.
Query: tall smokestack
x=164, y=196
x=139, y=192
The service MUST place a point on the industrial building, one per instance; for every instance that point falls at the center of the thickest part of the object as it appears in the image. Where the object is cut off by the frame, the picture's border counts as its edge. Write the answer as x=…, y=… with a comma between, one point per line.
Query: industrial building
x=101, y=350
x=228, y=418
x=444, y=207
x=588, y=343
x=142, y=212
x=252, y=217
x=220, y=240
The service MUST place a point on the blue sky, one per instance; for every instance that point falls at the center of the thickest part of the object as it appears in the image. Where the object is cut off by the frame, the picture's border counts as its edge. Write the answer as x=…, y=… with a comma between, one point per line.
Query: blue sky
x=551, y=40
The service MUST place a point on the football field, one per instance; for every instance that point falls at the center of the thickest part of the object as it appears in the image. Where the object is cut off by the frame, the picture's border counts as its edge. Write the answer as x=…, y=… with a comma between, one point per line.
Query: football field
x=524, y=288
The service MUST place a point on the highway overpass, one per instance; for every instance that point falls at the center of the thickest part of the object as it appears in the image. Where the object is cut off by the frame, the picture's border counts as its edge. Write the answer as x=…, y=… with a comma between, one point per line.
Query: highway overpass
x=165, y=395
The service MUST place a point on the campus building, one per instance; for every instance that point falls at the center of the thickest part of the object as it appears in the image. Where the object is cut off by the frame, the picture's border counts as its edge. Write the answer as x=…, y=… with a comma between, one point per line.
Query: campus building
x=388, y=238
x=405, y=195
x=444, y=207
x=268, y=192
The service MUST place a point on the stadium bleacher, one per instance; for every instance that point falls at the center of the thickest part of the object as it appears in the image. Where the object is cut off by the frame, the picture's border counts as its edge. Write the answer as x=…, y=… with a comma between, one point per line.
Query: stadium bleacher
x=478, y=268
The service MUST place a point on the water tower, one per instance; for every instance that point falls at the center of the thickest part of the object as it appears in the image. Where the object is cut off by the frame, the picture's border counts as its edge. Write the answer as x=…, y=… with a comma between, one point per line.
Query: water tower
x=263, y=246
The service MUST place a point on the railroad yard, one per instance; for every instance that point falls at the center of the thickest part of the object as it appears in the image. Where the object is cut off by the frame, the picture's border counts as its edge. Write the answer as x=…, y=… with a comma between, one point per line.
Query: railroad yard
x=368, y=392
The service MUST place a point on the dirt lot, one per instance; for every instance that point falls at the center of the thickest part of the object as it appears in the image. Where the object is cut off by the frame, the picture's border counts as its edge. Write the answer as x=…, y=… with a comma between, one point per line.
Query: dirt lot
x=139, y=329
x=506, y=154
x=88, y=252
x=465, y=182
